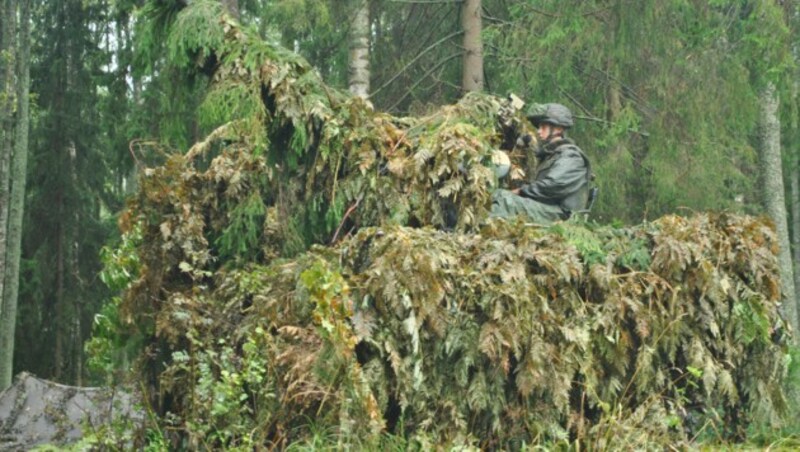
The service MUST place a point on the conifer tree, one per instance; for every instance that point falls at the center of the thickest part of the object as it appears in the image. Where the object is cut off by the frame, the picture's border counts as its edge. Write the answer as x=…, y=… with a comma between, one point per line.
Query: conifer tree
x=18, y=174
x=70, y=187
x=7, y=108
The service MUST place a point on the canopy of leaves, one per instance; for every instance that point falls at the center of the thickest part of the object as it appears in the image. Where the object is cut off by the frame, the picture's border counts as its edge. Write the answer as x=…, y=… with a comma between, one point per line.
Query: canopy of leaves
x=494, y=333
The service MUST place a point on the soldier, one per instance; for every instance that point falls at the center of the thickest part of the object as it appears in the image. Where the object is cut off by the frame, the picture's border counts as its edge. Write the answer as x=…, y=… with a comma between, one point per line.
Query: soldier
x=561, y=185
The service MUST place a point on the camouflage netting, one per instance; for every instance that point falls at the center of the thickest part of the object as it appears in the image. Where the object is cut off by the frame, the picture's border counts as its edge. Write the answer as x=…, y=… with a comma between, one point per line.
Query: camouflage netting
x=294, y=276
x=34, y=412
x=515, y=334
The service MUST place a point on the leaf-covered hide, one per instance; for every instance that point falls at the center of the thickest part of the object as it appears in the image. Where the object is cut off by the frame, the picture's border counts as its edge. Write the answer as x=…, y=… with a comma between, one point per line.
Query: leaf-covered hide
x=293, y=163
x=314, y=264
x=517, y=334
x=287, y=147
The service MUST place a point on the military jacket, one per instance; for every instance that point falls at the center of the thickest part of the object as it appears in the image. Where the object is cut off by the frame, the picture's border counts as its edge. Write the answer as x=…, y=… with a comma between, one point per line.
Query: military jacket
x=562, y=177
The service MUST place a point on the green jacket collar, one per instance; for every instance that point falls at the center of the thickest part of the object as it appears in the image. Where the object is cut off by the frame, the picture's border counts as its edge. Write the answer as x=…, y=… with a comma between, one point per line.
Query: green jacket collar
x=548, y=149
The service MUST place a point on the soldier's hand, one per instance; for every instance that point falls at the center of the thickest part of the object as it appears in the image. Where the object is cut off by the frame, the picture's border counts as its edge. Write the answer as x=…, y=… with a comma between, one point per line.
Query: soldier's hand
x=524, y=141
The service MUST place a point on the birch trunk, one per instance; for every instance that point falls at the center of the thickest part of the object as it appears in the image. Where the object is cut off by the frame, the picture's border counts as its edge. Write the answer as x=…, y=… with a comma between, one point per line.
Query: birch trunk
x=472, y=76
x=359, y=50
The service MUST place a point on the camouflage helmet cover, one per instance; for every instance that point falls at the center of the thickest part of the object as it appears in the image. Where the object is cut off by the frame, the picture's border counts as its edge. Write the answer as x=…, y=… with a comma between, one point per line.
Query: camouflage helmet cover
x=555, y=114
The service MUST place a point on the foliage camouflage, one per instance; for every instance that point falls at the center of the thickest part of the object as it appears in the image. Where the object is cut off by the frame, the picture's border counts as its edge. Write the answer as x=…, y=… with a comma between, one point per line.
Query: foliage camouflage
x=517, y=334
x=291, y=273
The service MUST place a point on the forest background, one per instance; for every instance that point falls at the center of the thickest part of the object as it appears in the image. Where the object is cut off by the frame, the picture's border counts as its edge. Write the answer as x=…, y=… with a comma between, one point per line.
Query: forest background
x=682, y=105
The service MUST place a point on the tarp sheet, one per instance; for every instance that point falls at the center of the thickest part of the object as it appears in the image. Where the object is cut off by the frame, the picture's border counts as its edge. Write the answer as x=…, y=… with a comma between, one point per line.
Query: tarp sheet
x=34, y=411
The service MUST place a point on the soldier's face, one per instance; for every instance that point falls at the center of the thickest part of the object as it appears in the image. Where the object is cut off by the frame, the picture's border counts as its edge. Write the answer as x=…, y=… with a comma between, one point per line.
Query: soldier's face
x=546, y=131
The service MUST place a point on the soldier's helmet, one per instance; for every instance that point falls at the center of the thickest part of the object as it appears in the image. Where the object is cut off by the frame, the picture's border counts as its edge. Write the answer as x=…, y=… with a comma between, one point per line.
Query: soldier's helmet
x=555, y=114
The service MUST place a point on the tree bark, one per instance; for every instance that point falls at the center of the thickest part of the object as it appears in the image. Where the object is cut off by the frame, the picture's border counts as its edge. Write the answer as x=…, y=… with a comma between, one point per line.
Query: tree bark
x=774, y=199
x=72, y=321
x=794, y=15
x=19, y=165
x=359, y=50
x=58, y=311
x=7, y=54
x=472, y=75
x=794, y=202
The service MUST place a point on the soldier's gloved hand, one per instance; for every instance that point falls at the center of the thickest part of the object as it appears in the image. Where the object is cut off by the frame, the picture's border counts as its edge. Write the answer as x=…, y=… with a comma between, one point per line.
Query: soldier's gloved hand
x=524, y=140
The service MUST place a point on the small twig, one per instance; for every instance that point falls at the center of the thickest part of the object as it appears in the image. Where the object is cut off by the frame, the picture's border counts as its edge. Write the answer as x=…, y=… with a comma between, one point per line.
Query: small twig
x=138, y=143
x=133, y=153
x=202, y=146
x=558, y=16
x=424, y=76
x=336, y=176
x=344, y=218
x=603, y=121
x=414, y=60
x=543, y=12
x=575, y=101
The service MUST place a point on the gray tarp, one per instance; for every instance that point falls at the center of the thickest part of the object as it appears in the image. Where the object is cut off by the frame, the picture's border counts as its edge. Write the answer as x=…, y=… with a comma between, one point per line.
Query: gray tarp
x=35, y=411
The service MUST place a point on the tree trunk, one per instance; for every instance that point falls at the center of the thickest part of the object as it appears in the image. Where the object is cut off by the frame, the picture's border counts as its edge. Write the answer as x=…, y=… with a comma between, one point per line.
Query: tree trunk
x=7, y=53
x=794, y=202
x=472, y=76
x=132, y=177
x=773, y=196
x=795, y=211
x=19, y=166
x=58, y=311
x=359, y=50
x=72, y=321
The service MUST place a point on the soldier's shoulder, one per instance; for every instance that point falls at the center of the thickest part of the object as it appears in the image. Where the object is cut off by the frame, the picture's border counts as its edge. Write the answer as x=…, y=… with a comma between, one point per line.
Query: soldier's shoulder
x=569, y=146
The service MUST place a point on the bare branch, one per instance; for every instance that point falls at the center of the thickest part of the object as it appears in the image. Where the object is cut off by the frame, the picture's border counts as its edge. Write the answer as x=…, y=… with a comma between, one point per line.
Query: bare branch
x=424, y=76
x=414, y=60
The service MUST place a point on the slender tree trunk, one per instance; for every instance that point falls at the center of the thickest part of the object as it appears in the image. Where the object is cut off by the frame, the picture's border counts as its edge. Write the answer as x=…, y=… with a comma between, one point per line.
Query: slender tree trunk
x=472, y=75
x=773, y=196
x=359, y=50
x=794, y=127
x=795, y=224
x=58, y=321
x=7, y=95
x=794, y=202
x=8, y=46
x=19, y=166
x=132, y=178
x=74, y=311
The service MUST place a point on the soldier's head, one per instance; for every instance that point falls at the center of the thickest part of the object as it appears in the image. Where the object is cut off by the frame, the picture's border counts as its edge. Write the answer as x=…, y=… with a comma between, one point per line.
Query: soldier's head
x=550, y=120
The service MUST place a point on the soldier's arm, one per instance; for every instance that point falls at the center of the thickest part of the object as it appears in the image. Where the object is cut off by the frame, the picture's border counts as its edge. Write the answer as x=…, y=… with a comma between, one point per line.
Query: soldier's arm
x=566, y=176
